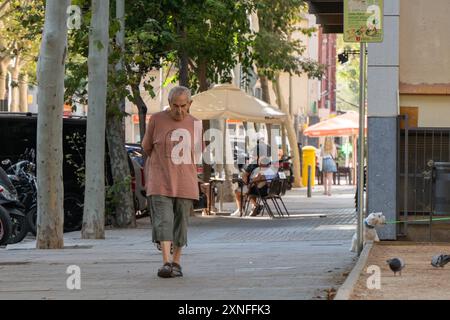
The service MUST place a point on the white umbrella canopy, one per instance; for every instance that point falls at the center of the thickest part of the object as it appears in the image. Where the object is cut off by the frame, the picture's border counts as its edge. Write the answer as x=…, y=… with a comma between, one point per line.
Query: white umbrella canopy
x=226, y=101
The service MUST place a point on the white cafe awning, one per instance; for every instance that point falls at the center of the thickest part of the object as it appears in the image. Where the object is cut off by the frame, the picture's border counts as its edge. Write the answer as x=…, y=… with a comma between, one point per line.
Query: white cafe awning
x=226, y=101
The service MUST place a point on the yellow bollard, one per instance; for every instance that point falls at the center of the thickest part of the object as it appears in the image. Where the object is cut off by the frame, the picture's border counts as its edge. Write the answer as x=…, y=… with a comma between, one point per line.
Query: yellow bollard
x=309, y=159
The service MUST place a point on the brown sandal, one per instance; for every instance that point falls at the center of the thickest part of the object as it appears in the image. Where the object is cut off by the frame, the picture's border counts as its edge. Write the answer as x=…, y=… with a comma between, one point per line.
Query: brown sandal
x=165, y=271
x=176, y=270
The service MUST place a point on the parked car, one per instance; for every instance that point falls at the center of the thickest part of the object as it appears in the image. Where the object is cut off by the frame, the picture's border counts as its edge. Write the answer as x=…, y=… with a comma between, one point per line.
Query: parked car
x=18, y=132
x=136, y=161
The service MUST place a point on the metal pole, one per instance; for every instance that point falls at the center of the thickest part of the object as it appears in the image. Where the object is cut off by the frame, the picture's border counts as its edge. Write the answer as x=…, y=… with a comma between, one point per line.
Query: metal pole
x=221, y=197
x=309, y=181
x=406, y=184
x=362, y=105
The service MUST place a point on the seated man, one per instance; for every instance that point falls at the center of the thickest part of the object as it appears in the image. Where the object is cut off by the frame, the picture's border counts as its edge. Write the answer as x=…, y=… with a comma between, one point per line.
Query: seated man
x=242, y=185
x=254, y=180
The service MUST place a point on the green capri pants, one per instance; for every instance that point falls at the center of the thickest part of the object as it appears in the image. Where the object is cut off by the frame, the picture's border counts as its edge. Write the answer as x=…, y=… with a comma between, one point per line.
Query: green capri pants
x=170, y=219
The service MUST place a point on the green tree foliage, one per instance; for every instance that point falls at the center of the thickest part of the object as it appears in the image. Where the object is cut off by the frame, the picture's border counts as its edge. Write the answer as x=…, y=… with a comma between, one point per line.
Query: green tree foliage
x=213, y=34
x=274, y=49
x=347, y=78
x=21, y=24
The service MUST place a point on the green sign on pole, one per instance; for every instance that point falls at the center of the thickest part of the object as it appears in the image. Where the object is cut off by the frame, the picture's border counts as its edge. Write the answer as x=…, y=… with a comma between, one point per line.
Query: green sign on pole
x=363, y=20
x=347, y=148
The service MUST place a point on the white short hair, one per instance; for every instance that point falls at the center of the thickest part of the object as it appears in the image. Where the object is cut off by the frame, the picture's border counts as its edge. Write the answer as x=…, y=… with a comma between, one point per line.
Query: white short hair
x=265, y=161
x=178, y=91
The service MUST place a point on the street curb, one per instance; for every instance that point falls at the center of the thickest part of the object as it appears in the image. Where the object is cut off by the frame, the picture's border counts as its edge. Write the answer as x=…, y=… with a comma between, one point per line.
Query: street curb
x=346, y=290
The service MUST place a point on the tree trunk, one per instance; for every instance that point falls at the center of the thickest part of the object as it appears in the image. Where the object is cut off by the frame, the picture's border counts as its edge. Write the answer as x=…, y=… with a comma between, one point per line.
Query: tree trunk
x=203, y=86
x=94, y=195
x=265, y=96
x=269, y=133
x=246, y=142
x=283, y=139
x=123, y=197
x=4, y=57
x=184, y=71
x=4, y=7
x=142, y=109
x=184, y=60
x=292, y=137
x=23, y=92
x=4, y=63
x=15, y=71
x=49, y=128
x=228, y=192
x=202, y=76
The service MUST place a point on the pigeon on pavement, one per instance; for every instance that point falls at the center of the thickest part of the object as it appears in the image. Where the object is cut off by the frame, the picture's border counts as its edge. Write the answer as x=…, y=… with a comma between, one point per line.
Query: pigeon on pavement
x=396, y=265
x=440, y=260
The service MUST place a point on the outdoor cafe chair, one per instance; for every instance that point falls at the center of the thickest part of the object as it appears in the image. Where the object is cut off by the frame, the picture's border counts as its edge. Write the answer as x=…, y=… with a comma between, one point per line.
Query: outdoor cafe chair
x=284, y=186
x=273, y=193
x=260, y=201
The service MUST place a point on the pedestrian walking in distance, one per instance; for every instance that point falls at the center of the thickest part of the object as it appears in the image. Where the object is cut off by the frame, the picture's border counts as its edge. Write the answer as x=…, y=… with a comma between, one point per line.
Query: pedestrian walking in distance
x=329, y=167
x=171, y=142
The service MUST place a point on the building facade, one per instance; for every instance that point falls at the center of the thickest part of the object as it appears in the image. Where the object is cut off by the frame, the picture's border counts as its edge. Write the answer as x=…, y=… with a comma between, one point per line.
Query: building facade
x=408, y=102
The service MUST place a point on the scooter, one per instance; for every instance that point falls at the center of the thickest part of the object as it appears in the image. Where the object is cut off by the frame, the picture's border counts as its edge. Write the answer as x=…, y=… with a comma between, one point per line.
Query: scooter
x=9, y=203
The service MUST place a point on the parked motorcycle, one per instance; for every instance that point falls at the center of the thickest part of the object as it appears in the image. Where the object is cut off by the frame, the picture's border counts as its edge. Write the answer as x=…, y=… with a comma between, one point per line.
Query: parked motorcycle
x=285, y=166
x=9, y=203
x=23, y=177
x=73, y=214
x=5, y=226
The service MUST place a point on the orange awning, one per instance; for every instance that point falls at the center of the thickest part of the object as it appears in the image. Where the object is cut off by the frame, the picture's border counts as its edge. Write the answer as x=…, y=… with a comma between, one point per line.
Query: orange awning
x=136, y=118
x=346, y=124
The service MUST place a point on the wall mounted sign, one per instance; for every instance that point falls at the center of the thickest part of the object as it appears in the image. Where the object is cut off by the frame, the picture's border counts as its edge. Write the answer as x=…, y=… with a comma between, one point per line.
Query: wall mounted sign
x=363, y=20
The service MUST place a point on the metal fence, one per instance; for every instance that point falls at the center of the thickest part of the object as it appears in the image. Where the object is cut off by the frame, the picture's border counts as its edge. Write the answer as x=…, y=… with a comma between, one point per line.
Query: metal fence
x=418, y=152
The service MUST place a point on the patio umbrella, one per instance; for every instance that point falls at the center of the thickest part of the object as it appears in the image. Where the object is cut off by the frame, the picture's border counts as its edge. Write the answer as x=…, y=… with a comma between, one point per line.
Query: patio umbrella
x=346, y=124
x=225, y=101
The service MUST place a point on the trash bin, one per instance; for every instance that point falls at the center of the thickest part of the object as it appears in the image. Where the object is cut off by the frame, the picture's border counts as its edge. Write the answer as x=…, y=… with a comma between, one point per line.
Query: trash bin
x=309, y=159
x=441, y=188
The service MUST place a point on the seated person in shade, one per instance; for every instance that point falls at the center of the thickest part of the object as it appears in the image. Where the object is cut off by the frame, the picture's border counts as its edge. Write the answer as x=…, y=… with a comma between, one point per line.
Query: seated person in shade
x=254, y=180
x=260, y=150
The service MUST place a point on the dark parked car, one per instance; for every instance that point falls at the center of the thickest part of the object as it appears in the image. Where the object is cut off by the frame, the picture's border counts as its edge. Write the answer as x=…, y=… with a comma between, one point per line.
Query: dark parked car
x=18, y=132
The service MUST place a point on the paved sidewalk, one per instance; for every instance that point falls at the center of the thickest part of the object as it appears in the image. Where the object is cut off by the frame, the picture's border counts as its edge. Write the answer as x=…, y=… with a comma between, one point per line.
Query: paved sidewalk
x=227, y=258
